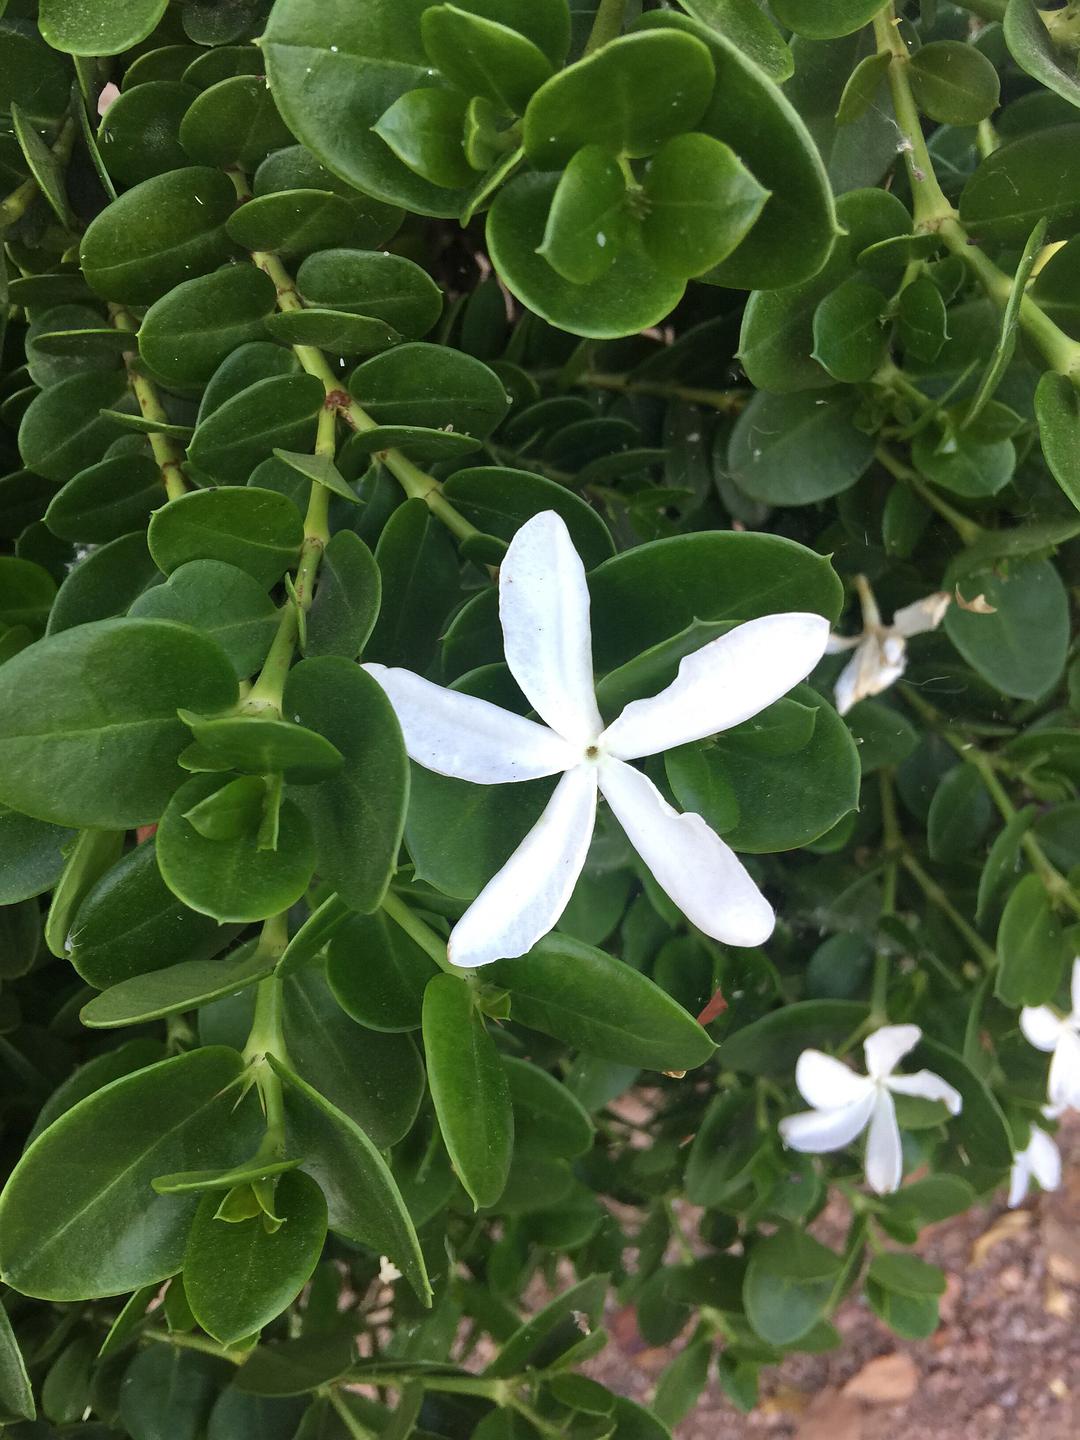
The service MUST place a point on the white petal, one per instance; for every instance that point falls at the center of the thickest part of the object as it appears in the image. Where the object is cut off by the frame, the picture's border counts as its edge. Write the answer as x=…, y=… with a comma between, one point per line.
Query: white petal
x=469, y=738
x=924, y=615
x=884, y=1155
x=525, y=899
x=837, y=644
x=851, y=687
x=1064, y=1084
x=1019, y=1179
x=722, y=684
x=1041, y=1026
x=927, y=1086
x=689, y=860
x=1075, y=988
x=1044, y=1158
x=816, y=1131
x=544, y=609
x=887, y=1046
x=828, y=1084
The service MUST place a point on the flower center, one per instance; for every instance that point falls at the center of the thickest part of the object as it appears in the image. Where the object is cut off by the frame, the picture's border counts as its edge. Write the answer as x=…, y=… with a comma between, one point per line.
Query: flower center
x=592, y=752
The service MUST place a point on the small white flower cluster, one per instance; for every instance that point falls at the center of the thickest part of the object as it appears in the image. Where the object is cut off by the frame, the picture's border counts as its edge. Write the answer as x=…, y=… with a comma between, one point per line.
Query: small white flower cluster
x=1059, y=1035
x=880, y=656
x=845, y=1103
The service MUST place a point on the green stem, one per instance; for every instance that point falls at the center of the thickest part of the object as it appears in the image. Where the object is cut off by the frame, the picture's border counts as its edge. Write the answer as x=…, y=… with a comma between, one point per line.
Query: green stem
x=424, y=936
x=931, y=205
x=729, y=402
x=167, y=451
x=934, y=893
x=607, y=25
x=894, y=841
x=184, y=1341
x=355, y=1427
x=969, y=531
x=267, y=1037
x=416, y=483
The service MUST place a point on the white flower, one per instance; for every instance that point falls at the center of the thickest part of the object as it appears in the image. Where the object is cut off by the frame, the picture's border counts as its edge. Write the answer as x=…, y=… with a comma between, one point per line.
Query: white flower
x=881, y=650
x=845, y=1103
x=1047, y=1030
x=1041, y=1160
x=544, y=610
x=388, y=1271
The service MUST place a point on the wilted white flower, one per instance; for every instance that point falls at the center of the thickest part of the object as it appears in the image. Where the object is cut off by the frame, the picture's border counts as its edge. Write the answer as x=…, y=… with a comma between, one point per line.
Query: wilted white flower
x=880, y=656
x=846, y=1103
x=544, y=610
x=388, y=1271
x=1039, y=1160
x=1047, y=1030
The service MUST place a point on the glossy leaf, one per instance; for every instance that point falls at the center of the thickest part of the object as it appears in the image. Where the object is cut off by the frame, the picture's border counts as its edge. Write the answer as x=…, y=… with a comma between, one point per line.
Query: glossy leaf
x=257, y=531
x=186, y=334
x=1030, y=946
x=81, y=30
x=378, y=973
x=179, y=987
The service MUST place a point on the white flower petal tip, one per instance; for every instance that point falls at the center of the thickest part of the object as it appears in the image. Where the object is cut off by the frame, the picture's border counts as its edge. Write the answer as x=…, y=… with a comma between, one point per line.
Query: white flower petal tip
x=845, y=1103
x=925, y=615
x=525, y=898
x=463, y=736
x=1039, y=1160
x=1044, y=1028
x=727, y=681
x=544, y=611
x=1041, y=1027
x=692, y=865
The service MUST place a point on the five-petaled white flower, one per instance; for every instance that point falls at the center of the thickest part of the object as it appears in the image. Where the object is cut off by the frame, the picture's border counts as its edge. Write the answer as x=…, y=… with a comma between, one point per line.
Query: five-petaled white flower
x=544, y=610
x=845, y=1103
x=1047, y=1030
x=881, y=650
x=1039, y=1160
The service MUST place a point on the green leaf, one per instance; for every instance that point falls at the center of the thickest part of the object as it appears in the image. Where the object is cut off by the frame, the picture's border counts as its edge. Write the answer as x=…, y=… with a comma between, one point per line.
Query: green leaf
x=681, y=1384
x=140, y=132
x=375, y=1079
x=107, y=500
x=258, y=531
x=347, y=598
x=980, y=1130
x=798, y=449
x=1057, y=410
x=423, y=128
x=954, y=83
x=16, y=1396
x=357, y=816
x=186, y=334
x=628, y=295
x=469, y=1089
x=547, y=1117
x=1021, y=648
x=789, y=1283
x=63, y=431
x=234, y=122
x=240, y=1277
x=233, y=879
x=27, y=592
x=1003, y=862
x=104, y=583
x=421, y=384
x=245, y=428
x=792, y=239
x=824, y=19
x=220, y=601
x=259, y=744
x=1028, y=179
x=378, y=973
x=1033, y=49
x=782, y=800
x=601, y=1005
x=372, y=283
x=335, y=330
x=33, y=855
x=179, y=987
x=702, y=202
x=364, y=1203
x=420, y=584
x=540, y=1341
x=499, y=501
x=32, y=75
x=1030, y=946
x=481, y=57
x=906, y=1274
x=629, y=96
x=589, y=218
x=167, y=1393
x=960, y=814
x=922, y=319
x=862, y=86
x=744, y=24
x=106, y=1232
x=911, y=1317
x=157, y=234
x=82, y=29
x=88, y=727
x=772, y=1044
x=44, y=166
x=294, y=1367
x=850, y=339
